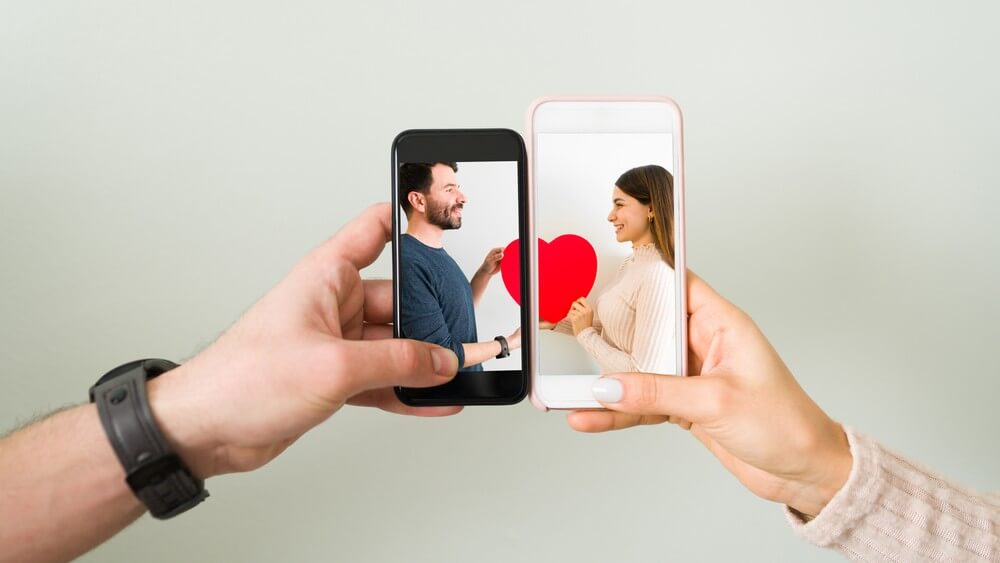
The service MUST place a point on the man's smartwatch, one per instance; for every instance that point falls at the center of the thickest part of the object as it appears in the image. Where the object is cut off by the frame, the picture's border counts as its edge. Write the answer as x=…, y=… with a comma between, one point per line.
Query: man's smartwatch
x=153, y=471
x=504, y=347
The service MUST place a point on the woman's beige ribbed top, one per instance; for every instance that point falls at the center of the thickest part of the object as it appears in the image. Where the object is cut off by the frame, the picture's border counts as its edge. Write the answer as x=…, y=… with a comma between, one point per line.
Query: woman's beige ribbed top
x=634, y=319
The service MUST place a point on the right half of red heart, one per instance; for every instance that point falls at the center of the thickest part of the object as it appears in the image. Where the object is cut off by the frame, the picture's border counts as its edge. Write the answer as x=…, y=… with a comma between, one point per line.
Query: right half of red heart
x=567, y=269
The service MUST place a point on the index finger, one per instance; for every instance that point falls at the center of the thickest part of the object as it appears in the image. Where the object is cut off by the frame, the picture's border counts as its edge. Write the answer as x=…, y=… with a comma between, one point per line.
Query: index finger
x=362, y=240
x=700, y=294
x=703, y=298
x=387, y=400
x=604, y=421
x=378, y=301
x=709, y=314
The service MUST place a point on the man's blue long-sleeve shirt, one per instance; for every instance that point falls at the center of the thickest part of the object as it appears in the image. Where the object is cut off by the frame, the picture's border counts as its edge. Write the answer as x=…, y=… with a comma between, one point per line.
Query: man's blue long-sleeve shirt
x=435, y=299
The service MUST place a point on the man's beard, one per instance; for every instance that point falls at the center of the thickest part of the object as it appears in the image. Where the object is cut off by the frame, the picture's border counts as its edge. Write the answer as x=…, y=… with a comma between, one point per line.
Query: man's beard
x=441, y=216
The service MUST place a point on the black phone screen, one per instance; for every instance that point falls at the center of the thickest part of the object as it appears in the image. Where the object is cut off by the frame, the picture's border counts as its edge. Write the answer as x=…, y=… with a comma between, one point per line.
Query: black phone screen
x=459, y=265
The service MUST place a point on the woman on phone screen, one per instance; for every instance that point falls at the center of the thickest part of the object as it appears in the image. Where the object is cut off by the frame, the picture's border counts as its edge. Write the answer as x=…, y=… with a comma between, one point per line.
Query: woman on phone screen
x=633, y=326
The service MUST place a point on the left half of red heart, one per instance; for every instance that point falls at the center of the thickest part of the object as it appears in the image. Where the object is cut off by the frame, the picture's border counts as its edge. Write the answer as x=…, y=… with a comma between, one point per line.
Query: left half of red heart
x=510, y=269
x=567, y=271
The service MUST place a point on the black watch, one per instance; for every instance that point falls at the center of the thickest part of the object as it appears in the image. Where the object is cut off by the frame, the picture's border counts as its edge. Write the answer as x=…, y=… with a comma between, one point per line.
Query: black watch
x=504, y=347
x=153, y=471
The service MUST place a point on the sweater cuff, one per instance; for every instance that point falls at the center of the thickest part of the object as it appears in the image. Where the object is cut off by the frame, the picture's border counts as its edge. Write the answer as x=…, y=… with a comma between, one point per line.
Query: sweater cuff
x=851, y=503
x=587, y=333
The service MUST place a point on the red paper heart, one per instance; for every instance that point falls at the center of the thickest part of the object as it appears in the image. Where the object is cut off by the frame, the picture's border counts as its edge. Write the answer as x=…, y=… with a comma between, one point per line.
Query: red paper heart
x=567, y=269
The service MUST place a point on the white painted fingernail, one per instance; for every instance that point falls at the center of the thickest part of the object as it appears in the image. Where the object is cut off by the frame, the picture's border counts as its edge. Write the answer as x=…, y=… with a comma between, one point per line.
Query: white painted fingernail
x=607, y=390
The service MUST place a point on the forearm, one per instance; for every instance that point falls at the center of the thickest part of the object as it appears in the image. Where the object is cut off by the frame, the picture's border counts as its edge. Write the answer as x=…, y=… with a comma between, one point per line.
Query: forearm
x=479, y=352
x=479, y=283
x=893, y=508
x=62, y=489
x=610, y=359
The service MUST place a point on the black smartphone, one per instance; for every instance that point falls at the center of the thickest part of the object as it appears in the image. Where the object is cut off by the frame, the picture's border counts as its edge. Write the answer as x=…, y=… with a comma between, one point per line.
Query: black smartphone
x=460, y=259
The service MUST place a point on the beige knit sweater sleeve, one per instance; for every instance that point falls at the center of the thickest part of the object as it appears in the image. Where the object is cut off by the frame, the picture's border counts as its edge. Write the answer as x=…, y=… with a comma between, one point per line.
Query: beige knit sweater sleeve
x=651, y=326
x=566, y=327
x=891, y=509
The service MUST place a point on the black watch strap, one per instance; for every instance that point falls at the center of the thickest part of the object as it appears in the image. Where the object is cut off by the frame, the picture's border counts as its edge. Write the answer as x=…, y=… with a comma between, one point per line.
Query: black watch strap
x=504, y=347
x=153, y=470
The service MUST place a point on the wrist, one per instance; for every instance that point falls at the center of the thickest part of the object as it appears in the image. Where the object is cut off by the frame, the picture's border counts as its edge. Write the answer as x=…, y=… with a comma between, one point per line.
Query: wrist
x=504, y=347
x=831, y=467
x=174, y=409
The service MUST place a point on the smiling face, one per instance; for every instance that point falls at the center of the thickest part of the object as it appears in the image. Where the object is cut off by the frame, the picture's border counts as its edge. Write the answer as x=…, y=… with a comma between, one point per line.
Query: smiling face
x=444, y=200
x=630, y=218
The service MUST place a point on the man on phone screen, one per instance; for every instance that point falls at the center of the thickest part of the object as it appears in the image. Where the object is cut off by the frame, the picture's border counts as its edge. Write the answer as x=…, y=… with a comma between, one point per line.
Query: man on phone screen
x=437, y=302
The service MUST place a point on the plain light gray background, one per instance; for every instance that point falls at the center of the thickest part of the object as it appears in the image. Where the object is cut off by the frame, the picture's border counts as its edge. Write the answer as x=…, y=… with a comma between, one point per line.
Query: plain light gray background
x=163, y=164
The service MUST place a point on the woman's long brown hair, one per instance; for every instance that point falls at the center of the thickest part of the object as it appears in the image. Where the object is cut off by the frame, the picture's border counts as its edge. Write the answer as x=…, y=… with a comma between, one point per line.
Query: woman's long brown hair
x=652, y=185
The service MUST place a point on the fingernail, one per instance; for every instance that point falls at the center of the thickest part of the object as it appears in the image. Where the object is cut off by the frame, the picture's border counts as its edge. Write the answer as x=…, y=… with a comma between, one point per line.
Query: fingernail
x=445, y=361
x=607, y=390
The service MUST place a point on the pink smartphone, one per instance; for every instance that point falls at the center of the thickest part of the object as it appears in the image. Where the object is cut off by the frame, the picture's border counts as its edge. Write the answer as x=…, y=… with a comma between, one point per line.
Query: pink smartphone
x=608, y=279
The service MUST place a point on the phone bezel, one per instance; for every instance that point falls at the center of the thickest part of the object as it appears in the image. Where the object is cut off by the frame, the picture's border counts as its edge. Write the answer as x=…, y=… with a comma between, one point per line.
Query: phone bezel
x=505, y=387
x=573, y=391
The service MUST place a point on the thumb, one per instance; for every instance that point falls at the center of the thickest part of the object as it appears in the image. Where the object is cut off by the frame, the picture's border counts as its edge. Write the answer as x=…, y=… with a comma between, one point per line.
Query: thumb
x=374, y=364
x=690, y=398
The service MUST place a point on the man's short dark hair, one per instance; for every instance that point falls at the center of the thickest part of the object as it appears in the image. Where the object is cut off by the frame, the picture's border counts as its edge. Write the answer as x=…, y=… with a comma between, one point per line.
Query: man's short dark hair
x=417, y=177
